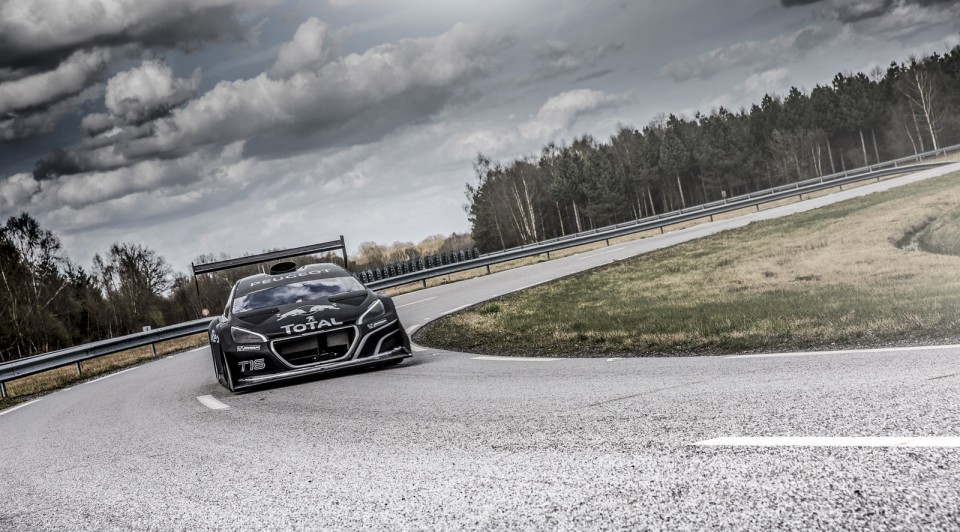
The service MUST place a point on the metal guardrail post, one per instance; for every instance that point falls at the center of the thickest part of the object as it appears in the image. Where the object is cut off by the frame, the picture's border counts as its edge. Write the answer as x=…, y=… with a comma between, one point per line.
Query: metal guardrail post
x=3, y=390
x=78, y=369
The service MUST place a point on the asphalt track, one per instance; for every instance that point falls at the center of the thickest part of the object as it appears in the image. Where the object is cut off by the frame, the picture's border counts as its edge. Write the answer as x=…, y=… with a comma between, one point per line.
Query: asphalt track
x=851, y=440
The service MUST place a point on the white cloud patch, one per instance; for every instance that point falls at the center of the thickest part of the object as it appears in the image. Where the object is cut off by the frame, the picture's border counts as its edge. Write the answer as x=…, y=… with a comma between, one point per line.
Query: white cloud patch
x=69, y=78
x=16, y=191
x=308, y=50
x=558, y=112
x=756, y=54
x=149, y=89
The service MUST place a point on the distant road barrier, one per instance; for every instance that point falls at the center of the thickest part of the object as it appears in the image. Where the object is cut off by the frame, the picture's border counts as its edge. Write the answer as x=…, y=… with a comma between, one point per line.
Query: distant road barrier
x=25, y=367
x=707, y=210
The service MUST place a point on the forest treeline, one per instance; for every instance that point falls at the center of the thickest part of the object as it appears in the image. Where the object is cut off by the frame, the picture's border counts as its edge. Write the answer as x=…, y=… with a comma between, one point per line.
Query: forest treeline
x=48, y=302
x=675, y=162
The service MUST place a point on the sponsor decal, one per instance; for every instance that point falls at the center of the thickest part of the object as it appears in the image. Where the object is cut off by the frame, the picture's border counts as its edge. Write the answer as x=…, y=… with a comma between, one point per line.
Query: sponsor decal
x=252, y=365
x=248, y=348
x=292, y=275
x=311, y=325
x=376, y=324
x=306, y=310
x=214, y=337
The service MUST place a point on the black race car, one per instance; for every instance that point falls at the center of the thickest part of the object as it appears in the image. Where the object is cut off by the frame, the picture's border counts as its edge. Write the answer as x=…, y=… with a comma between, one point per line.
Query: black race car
x=295, y=322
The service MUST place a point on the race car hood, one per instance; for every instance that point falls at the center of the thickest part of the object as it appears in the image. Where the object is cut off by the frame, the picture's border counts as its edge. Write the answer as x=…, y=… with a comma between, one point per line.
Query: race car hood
x=303, y=317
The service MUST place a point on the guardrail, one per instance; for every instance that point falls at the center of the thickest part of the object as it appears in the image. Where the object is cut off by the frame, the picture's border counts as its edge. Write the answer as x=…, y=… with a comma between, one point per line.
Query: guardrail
x=708, y=210
x=25, y=367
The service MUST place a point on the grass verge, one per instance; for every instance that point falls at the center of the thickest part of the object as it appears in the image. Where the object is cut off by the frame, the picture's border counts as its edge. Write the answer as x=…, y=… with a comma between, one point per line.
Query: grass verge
x=26, y=388
x=834, y=276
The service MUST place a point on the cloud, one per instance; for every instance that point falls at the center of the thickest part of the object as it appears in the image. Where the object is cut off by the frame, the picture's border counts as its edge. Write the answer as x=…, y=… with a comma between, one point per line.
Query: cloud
x=53, y=51
x=838, y=22
x=44, y=32
x=852, y=11
x=554, y=58
x=747, y=92
x=147, y=91
x=16, y=191
x=352, y=99
x=68, y=79
x=757, y=54
x=307, y=50
x=561, y=110
x=37, y=121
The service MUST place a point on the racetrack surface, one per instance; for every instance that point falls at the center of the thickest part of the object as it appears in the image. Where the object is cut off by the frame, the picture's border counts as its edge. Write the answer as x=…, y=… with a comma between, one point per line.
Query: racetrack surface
x=451, y=440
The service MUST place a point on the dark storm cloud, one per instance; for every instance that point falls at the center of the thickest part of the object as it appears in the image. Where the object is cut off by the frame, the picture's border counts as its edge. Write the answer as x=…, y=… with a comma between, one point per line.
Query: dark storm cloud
x=336, y=101
x=851, y=11
x=52, y=53
x=49, y=32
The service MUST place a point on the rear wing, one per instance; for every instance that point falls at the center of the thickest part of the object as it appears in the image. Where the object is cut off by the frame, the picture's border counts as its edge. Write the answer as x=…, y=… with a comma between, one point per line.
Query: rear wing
x=323, y=247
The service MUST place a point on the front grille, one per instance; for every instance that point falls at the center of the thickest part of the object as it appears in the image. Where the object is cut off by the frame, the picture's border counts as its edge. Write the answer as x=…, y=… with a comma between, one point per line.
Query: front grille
x=315, y=348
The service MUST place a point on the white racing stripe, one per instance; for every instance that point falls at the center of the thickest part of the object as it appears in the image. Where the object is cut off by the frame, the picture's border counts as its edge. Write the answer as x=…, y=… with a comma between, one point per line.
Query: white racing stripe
x=112, y=375
x=516, y=359
x=416, y=302
x=611, y=250
x=840, y=441
x=18, y=407
x=850, y=351
x=461, y=307
x=211, y=402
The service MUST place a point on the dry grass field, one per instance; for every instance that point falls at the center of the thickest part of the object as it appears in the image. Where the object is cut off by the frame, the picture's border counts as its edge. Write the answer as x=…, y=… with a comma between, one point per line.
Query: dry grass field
x=834, y=276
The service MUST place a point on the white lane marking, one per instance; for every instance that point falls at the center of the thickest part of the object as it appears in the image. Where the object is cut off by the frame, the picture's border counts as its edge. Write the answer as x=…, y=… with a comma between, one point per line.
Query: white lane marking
x=461, y=307
x=112, y=375
x=416, y=302
x=211, y=402
x=516, y=359
x=411, y=329
x=418, y=349
x=611, y=250
x=850, y=351
x=612, y=359
x=198, y=348
x=842, y=441
x=18, y=407
x=534, y=284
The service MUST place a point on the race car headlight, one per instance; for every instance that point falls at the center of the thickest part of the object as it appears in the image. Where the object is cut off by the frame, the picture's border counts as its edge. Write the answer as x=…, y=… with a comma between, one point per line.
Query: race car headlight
x=373, y=312
x=243, y=336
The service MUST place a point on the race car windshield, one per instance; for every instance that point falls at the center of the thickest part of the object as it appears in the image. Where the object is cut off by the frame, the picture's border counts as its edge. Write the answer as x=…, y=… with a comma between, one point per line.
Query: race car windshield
x=296, y=293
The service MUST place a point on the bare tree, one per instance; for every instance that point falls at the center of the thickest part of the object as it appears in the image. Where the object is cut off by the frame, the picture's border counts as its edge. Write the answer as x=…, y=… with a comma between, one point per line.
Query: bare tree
x=919, y=86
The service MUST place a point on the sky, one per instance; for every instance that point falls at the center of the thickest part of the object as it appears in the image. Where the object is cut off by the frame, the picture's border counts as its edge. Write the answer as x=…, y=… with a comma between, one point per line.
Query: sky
x=237, y=126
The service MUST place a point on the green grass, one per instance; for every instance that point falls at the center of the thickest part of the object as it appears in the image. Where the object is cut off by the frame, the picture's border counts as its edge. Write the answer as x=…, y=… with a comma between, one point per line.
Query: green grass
x=830, y=277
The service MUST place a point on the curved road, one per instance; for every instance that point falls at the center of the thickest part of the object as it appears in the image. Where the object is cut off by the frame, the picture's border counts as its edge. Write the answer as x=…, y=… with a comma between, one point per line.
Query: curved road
x=452, y=440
